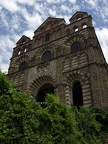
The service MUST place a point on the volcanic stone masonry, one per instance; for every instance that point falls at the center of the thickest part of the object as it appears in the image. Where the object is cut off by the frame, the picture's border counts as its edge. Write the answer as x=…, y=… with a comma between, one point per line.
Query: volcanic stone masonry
x=64, y=59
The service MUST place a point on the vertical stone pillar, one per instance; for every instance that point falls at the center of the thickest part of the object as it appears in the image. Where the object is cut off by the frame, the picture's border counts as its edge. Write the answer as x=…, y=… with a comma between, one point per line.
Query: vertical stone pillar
x=67, y=94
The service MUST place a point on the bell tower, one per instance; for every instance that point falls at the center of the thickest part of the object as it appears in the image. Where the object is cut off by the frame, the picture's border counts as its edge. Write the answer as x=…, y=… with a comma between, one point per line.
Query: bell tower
x=62, y=59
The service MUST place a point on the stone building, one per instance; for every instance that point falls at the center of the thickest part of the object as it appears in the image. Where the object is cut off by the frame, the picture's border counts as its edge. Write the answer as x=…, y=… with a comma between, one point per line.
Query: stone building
x=65, y=59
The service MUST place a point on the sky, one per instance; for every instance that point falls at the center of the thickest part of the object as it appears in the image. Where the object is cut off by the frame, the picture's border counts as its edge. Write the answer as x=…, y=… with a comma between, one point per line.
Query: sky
x=23, y=17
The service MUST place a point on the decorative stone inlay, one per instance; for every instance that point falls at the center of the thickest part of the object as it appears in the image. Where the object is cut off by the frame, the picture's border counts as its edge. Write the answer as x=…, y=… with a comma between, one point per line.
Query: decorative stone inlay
x=74, y=61
x=43, y=68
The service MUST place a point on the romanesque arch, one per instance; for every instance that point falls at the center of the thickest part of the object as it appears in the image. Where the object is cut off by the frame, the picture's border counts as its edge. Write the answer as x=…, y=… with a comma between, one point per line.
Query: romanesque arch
x=41, y=51
x=76, y=38
x=78, y=90
x=42, y=84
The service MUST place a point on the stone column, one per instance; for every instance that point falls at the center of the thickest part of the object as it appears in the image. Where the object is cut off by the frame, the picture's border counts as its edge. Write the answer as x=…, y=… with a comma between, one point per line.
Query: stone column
x=67, y=94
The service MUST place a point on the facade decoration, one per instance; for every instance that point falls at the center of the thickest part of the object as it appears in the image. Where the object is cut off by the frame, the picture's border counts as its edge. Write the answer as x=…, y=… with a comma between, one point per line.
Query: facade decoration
x=65, y=59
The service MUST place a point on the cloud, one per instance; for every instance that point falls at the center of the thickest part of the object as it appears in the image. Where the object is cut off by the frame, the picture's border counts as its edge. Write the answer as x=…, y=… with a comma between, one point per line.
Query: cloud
x=102, y=34
x=72, y=1
x=28, y=33
x=53, y=1
x=52, y=12
x=92, y=3
x=7, y=43
x=65, y=8
x=32, y=20
x=23, y=17
x=10, y=5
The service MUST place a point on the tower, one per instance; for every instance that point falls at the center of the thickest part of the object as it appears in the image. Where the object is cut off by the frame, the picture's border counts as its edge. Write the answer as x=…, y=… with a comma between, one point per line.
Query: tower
x=65, y=59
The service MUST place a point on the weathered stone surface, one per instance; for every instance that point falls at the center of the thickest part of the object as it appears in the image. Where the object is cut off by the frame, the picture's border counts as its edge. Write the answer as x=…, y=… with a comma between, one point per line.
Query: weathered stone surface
x=66, y=67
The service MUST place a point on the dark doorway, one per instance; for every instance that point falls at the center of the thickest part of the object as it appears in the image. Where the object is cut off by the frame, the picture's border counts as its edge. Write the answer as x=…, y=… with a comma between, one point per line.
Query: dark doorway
x=41, y=96
x=77, y=94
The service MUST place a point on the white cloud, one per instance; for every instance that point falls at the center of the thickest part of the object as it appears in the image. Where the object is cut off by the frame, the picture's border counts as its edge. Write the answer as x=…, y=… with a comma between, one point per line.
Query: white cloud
x=4, y=67
x=28, y=33
x=93, y=3
x=53, y=1
x=102, y=35
x=10, y=5
x=65, y=8
x=52, y=12
x=28, y=2
x=32, y=20
x=72, y=1
x=7, y=43
x=23, y=17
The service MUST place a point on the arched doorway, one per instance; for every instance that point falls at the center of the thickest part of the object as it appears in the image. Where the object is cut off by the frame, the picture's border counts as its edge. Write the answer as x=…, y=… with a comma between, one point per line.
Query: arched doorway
x=42, y=93
x=77, y=94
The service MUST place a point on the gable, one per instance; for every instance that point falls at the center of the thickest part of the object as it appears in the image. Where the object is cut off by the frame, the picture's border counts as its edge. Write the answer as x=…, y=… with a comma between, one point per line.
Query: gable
x=23, y=40
x=77, y=16
x=48, y=24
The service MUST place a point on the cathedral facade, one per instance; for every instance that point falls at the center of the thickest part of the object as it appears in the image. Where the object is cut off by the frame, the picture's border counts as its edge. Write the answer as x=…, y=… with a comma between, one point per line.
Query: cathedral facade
x=64, y=59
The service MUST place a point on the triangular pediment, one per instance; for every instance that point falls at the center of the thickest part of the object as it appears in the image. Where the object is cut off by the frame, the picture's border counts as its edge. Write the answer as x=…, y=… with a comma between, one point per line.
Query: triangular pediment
x=78, y=15
x=23, y=40
x=49, y=23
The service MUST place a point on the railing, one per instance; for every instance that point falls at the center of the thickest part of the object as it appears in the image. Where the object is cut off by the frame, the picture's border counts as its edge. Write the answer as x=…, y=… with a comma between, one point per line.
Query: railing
x=42, y=103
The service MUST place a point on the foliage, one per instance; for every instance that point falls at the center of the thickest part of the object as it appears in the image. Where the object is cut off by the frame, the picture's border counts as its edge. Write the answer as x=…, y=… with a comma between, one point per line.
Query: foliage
x=87, y=124
x=102, y=117
x=24, y=121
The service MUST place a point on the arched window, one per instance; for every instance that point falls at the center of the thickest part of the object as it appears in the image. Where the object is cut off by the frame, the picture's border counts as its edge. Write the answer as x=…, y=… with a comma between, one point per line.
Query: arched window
x=19, y=52
x=84, y=26
x=77, y=94
x=75, y=29
x=78, y=18
x=25, y=50
x=46, y=56
x=23, y=66
x=47, y=37
x=75, y=46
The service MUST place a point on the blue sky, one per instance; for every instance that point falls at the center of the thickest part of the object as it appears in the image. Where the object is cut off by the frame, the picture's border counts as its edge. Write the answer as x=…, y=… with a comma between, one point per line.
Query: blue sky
x=23, y=17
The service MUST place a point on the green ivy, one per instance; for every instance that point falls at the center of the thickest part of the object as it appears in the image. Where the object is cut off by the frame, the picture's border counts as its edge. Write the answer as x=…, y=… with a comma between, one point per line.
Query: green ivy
x=24, y=121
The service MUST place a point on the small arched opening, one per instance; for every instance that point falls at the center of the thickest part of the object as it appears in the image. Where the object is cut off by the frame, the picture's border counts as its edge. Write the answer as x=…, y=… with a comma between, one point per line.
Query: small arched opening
x=47, y=37
x=84, y=26
x=75, y=29
x=42, y=93
x=77, y=94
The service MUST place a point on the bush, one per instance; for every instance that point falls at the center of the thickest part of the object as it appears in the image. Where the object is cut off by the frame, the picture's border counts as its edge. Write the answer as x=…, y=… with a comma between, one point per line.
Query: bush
x=24, y=121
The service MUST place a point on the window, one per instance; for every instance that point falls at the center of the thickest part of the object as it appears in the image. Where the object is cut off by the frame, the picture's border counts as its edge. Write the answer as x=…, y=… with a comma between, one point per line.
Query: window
x=79, y=18
x=75, y=46
x=25, y=50
x=47, y=37
x=23, y=66
x=19, y=52
x=84, y=26
x=76, y=29
x=46, y=56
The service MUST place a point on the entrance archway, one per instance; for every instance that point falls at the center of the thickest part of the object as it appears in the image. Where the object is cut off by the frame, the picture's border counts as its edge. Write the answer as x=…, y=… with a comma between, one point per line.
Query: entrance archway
x=42, y=93
x=77, y=94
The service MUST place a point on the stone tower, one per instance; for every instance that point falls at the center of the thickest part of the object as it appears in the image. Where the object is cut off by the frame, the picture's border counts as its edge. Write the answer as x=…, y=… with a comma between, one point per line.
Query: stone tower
x=63, y=59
